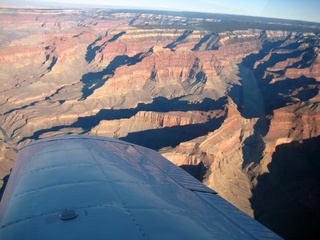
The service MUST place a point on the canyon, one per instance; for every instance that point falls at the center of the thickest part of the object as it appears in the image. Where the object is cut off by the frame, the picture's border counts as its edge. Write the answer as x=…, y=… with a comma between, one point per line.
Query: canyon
x=232, y=100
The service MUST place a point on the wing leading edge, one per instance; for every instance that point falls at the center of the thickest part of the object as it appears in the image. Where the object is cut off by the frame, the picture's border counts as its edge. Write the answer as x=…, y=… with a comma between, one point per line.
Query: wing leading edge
x=88, y=187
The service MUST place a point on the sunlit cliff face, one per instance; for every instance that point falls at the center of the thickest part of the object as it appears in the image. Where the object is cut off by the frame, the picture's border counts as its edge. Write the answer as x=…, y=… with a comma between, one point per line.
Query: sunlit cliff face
x=224, y=98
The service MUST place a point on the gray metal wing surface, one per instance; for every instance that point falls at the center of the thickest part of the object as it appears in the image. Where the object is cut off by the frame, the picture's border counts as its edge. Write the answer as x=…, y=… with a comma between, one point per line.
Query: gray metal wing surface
x=89, y=187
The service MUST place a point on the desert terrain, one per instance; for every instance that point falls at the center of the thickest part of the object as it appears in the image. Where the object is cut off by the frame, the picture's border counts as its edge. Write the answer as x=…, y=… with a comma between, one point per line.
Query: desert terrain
x=232, y=100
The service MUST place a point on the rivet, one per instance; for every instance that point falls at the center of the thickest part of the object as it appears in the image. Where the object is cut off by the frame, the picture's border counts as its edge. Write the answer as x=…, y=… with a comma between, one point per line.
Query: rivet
x=68, y=215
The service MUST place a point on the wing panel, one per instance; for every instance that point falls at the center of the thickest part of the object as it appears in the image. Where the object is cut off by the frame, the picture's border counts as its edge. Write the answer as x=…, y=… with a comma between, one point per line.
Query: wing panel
x=99, y=222
x=238, y=218
x=119, y=190
x=177, y=174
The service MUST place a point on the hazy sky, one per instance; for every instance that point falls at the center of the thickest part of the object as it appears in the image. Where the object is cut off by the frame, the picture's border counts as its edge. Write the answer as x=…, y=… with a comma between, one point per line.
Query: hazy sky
x=290, y=9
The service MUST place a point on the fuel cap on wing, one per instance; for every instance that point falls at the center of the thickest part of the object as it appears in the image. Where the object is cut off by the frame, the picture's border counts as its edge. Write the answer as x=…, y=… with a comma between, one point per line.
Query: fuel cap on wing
x=68, y=215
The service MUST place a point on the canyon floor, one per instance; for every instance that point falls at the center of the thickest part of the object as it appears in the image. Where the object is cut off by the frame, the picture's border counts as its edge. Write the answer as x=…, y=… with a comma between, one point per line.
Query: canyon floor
x=232, y=100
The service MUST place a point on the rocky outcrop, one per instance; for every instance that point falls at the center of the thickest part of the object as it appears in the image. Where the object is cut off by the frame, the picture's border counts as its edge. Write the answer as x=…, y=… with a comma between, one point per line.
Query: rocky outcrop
x=153, y=120
x=221, y=153
x=224, y=102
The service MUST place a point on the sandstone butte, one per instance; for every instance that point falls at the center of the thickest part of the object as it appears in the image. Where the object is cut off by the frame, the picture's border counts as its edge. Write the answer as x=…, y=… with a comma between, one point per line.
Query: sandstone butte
x=237, y=109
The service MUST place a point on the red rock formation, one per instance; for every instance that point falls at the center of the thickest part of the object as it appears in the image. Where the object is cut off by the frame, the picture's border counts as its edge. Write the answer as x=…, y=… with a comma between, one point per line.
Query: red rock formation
x=127, y=74
x=152, y=120
x=220, y=151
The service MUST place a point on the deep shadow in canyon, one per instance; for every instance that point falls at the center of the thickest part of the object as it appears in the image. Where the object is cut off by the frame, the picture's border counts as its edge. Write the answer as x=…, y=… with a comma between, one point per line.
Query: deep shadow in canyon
x=94, y=80
x=197, y=171
x=5, y=182
x=92, y=49
x=148, y=138
x=253, y=146
x=172, y=136
x=258, y=96
x=159, y=104
x=180, y=39
x=287, y=199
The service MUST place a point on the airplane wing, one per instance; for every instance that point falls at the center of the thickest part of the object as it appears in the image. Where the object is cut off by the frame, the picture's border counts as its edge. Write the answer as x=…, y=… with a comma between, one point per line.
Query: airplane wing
x=89, y=187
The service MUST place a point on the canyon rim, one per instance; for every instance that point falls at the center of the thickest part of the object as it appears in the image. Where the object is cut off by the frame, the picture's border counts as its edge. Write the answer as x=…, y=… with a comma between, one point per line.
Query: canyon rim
x=232, y=100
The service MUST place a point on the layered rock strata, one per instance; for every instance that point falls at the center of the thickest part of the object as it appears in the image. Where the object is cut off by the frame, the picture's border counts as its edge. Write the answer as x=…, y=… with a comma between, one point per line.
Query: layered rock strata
x=224, y=104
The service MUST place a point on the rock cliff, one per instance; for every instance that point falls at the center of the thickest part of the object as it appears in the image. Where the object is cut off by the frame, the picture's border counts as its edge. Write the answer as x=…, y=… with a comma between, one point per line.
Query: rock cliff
x=235, y=105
